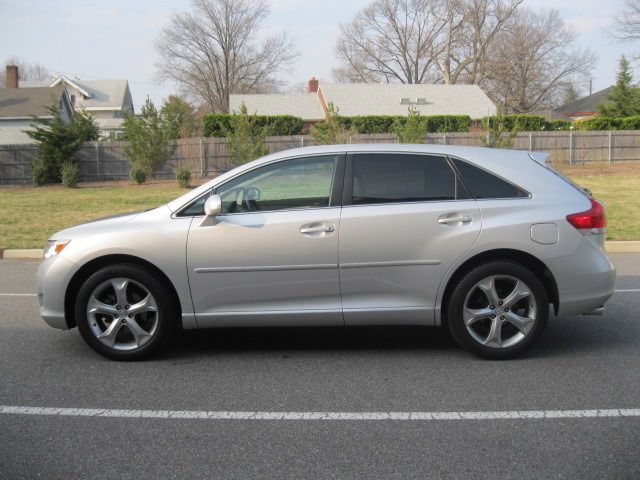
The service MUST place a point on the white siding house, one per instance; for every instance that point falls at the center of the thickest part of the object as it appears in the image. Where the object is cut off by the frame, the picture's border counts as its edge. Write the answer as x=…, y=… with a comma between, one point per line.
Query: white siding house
x=108, y=101
x=18, y=106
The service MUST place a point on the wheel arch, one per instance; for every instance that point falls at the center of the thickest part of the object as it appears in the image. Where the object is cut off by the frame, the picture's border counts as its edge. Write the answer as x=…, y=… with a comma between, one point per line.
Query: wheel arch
x=96, y=264
x=525, y=259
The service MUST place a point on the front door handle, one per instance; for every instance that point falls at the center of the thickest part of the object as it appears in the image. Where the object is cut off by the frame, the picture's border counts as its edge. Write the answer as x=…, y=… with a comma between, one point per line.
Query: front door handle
x=317, y=228
x=455, y=218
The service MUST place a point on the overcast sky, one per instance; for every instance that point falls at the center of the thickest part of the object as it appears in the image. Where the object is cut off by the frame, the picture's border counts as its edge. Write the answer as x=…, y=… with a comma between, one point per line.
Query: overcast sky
x=94, y=39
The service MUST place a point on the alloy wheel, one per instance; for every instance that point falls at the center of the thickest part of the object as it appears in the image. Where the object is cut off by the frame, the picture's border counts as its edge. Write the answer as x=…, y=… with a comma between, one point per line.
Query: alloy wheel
x=122, y=314
x=500, y=311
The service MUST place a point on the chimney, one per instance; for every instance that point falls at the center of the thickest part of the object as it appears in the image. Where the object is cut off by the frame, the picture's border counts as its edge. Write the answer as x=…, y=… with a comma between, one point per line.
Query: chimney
x=12, y=77
x=313, y=85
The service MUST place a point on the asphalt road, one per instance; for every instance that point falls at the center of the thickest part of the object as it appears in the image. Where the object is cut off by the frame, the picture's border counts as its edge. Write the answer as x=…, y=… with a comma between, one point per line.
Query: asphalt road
x=581, y=363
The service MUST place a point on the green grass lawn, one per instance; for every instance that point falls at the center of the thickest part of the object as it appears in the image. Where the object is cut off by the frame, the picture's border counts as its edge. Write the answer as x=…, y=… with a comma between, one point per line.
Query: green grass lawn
x=621, y=196
x=29, y=215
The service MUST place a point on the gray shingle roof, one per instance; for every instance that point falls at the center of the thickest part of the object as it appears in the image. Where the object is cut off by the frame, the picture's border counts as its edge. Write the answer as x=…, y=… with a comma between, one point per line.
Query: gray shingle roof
x=385, y=99
x=305, y=105
x=103, y=94
x=24, y=102
x=354, y=99
x=586, y=104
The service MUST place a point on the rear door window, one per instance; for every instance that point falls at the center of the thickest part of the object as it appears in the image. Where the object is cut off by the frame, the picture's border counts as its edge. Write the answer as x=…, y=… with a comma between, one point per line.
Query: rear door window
x=395, y=177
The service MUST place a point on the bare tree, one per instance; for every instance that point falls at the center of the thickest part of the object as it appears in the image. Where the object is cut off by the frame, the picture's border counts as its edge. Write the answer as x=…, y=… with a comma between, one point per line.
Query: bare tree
x=627, y=26
x=421, y=41
x=475, y=24
x=532, y=64
x=391, y=41
x=211, y=51
x=26, y=70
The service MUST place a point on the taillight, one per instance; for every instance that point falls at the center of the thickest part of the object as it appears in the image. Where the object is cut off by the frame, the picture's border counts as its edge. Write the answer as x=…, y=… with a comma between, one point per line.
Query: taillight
x=592, y=218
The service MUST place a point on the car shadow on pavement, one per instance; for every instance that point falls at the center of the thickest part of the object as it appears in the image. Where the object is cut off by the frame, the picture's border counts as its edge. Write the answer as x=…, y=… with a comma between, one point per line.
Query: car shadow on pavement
x=330, y=339
x=563, y=337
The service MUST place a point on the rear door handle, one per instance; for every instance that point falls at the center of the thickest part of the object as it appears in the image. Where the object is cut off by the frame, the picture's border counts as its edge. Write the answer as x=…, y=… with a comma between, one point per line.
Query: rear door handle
x=456, y=218
x=315, y=228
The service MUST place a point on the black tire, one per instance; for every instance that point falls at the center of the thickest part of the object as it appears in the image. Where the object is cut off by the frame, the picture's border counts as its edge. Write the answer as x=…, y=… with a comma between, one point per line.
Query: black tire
x=534, y=308
x=158, y=326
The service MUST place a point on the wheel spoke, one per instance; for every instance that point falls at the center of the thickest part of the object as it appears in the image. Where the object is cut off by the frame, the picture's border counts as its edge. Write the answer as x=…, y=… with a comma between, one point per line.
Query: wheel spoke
x=488, y=287
x=524, y=324
x=108, y=337
x=472, y=315
x=120, y=287
x=96, y=306
x=140, y=335
x=147, y=304
x=519, y=292
x=494, y=339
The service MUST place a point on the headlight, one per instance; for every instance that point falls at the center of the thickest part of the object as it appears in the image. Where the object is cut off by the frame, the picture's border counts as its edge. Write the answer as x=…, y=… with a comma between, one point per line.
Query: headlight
x=54, y=247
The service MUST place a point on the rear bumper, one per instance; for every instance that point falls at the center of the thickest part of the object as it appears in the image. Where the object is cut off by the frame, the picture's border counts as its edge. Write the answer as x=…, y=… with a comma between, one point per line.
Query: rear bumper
x=585, y=279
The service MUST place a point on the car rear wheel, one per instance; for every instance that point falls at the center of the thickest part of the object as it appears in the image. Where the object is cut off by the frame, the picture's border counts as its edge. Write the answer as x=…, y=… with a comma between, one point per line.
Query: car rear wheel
x=124, y=313
x=498, y=310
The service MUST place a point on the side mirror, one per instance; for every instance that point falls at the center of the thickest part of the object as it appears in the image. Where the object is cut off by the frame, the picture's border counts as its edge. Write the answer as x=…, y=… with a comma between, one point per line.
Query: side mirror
x=213, y=206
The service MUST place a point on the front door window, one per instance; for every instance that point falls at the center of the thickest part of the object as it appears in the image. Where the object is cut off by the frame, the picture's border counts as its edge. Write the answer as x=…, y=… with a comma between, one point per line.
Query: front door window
x=297, y=183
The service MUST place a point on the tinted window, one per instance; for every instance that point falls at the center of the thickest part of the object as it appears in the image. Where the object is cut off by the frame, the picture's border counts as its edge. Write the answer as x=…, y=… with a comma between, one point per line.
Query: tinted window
x=483, y=184
x=298, y=183
x=383, y=177
x=195, y=208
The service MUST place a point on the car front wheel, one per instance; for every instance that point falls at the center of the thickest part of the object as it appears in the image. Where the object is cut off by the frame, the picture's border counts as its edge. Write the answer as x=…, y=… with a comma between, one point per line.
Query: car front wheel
x=124, y=313
x=498, y=310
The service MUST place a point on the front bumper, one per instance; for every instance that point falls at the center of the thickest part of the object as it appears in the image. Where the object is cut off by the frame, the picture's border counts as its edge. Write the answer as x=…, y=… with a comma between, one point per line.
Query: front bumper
x=53, y=277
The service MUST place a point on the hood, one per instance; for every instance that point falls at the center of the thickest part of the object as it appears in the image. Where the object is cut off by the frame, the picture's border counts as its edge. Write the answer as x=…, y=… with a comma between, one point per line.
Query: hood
x=94, y=226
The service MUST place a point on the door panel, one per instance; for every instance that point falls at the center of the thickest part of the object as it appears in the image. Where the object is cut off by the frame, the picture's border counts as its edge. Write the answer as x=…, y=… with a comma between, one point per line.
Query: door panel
x=271, y=258
x=394, y=255
x=261, y=262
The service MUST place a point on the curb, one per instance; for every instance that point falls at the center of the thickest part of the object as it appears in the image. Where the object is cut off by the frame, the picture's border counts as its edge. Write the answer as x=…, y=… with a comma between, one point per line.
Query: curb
x=33, y=253
x=622, y=247
x=36, y=253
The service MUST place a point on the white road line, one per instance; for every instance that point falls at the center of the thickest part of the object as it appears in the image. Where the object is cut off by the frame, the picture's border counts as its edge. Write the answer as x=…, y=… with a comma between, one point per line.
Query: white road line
x=627, y=290
x=319, y=416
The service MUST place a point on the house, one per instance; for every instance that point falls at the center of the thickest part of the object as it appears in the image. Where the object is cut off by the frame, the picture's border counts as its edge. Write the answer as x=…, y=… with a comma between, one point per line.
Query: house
x=18, y=106
x=353, y=99
x=108, y=101
x=583, y=108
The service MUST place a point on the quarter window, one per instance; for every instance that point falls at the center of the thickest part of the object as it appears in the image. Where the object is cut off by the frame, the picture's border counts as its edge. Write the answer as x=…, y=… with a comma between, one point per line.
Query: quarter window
x=391, y=178
x=483, y=184
x=297, y=183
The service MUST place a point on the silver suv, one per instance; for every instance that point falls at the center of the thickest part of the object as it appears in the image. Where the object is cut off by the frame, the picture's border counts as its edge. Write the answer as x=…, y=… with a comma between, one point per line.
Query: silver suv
x=484, y=241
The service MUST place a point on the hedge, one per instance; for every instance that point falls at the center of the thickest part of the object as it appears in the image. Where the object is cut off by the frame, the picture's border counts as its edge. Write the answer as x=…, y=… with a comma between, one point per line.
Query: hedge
x=371, y=124
x=608, y=123
x=216, y=124
x=520, y=122
x=559, y=125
